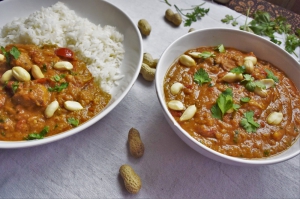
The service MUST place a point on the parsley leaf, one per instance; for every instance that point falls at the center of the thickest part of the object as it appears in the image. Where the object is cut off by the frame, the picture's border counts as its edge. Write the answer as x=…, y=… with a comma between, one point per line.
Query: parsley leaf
x=245, y=99
x=206, y=54
x=238, y=70
x=229, y=18
x=15, y=52
x=41, y=135
x=224, y=103
x=248, y=123
x=221, y=48
x=201, y=77
x=58, y=88
x=271, y=75
x=74, y=122
x=15, y=86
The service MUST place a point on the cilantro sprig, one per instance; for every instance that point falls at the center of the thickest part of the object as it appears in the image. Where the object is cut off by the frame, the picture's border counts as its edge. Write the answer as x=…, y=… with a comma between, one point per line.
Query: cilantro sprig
x=37, y=136
x=201, y=77
x=197, y=13
x=248, y=123
x=229, y=18
x=14, y=52
x=271, y=75
x=224, y=103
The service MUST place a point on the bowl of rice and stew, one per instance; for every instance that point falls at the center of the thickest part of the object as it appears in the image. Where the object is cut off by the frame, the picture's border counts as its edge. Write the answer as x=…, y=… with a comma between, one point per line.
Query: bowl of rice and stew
x=232, y=96
x=64, y=66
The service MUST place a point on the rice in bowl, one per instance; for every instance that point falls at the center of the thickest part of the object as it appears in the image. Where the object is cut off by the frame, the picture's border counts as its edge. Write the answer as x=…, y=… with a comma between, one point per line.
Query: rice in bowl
x=99, y=47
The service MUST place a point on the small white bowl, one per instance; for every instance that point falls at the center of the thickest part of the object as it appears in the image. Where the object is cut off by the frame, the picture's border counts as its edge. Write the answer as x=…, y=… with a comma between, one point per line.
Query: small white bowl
x=98, y=12
x=243, y=41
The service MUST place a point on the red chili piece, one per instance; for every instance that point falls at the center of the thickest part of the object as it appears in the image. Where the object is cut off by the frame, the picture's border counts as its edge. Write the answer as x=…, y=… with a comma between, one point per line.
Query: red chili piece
x=64, y=52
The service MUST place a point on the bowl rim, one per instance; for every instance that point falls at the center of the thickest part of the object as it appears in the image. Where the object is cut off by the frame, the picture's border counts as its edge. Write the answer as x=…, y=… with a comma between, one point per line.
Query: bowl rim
x=192, y=142
x=111, y=105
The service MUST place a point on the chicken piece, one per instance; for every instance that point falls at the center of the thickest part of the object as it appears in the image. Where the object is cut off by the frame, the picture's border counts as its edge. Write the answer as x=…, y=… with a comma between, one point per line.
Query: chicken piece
x=32, y=94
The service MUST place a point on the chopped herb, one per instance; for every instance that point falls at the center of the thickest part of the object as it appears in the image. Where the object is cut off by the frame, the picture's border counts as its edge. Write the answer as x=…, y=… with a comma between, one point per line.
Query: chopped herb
x=201, y=77
x=58, y=88
x=15, y=52
x=266, y=153
x=197, y=13
x=235, y=137
x=235, y=107
x=250, y=84
x=271, y=75
x=221, y=48
x=41, y=135
x=224, y=103
x=56, y=125
x=74, y=122
x=238, y=70
x=206, y=54
x=245, y=99
x=44, y=69
x=56, y=78
x=248, y=123
x=15, y=86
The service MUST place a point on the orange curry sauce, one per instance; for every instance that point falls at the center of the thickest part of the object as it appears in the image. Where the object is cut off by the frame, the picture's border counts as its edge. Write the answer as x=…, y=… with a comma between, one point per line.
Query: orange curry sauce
x=228, y=135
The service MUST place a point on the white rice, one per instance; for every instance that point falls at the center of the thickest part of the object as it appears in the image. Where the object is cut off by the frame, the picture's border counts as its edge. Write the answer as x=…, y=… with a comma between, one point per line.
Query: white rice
x=100, y=47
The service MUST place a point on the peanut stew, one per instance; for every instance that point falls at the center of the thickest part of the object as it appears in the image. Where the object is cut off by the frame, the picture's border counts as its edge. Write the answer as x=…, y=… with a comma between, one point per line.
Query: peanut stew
x=233, y=102
x=45, y=91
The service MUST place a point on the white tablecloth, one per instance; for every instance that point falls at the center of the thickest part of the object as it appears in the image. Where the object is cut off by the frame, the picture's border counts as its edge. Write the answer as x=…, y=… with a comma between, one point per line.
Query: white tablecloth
x=86, y=165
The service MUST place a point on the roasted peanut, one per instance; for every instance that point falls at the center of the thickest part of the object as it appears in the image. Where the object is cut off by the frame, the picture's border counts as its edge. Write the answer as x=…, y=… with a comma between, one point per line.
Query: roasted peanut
x=136, y=146
x=131, y=180
x=188, y=113
x=251, y=58
x=63, y=65
x=176, y=88
x=72, y=105
x=261, y=92
x=144, y=27
x=20, y=74
x=6, y=76
x=147, y=72
x=175, y=18
x=2, y=57
x=232, y=77
x=249, y=66
x=267, y=82
x=36, y=72
x=176, y=105
x=274, y=118
x=51, y=108
x=187, y=60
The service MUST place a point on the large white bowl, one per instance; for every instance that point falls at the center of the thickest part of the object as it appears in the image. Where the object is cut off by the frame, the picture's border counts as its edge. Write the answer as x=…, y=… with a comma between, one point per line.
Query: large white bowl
x=98, y=12
x=243, y=41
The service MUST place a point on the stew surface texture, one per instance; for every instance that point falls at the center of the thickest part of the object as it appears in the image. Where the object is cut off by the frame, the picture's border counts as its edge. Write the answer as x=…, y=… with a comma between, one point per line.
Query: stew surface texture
x=241, y=109
x=23, y=103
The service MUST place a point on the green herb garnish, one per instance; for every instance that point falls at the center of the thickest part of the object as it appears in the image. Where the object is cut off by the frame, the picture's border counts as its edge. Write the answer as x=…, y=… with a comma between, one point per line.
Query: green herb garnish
x=13, y=52
x=44, y=68
x=271, y=75
x=235, y=137
x=224, y=103
x=229, y=18
x=56, y=78
x=74, y=122
x=36, y=136
x=201, y=77
x=206, y=54
x=221, y=48
x=238, y=70
x=58, y=88
x=248, y=123
x=15, y=86
x=197, y=13
x=245, y=99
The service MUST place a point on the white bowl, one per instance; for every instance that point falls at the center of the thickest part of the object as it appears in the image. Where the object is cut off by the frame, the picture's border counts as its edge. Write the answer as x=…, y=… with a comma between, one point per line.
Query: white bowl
x=243, y=41
x=98, y=12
